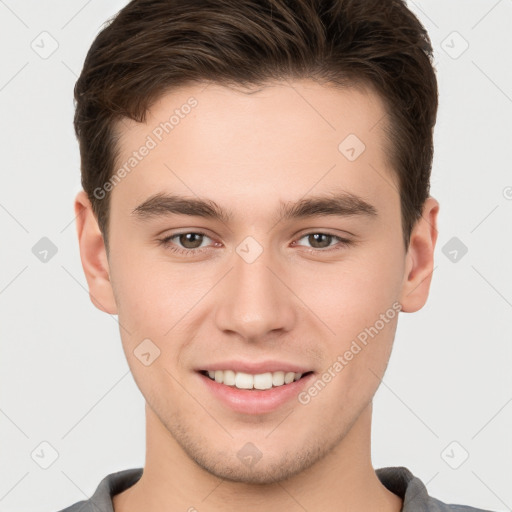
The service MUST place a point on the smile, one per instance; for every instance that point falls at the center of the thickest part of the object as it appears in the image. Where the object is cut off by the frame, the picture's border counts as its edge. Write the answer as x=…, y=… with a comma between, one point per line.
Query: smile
x=247, y=381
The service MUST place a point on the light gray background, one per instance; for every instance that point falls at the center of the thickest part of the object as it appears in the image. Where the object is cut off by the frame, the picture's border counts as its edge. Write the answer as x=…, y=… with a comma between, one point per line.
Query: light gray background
x=64, y=377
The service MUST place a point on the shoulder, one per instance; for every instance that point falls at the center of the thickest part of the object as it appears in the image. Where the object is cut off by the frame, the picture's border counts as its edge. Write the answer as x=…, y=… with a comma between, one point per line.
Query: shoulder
x=413, y=492
x=112, y=484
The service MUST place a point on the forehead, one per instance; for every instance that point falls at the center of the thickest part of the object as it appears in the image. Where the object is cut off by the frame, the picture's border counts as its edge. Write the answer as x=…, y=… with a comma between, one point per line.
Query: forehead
x=285, y=137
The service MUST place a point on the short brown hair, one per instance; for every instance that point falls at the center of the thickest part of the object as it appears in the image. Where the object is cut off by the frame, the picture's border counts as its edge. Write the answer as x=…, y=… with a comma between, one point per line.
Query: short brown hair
x=153, y=46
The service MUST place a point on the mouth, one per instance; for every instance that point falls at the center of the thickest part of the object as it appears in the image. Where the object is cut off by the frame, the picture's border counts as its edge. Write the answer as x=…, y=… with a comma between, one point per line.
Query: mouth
x=252, y=387
x=254, y=382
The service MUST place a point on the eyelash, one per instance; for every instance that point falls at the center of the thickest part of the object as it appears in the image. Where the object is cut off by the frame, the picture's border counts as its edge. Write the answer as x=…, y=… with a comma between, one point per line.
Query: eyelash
x=166, y=242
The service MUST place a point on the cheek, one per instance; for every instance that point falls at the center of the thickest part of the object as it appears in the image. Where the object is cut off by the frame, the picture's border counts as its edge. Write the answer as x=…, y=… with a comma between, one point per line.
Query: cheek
x=152, y=303
x=156, y=301
x=358, y=302
x=150, y=295
x=349, y=296
x=355, y=366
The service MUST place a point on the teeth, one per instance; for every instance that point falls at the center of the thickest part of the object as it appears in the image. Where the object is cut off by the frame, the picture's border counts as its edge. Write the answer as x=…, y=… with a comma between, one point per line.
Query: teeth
x=229, y=377
x=261, y=381
x=244, y=380
x=278, y=378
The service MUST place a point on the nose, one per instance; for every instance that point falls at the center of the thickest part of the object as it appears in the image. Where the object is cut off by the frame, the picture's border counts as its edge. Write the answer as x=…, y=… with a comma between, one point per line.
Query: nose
x=254, y=300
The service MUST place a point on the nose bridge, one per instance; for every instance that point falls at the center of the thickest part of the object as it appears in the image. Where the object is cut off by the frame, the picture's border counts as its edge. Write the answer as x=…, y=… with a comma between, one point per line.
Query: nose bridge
x=253, y=301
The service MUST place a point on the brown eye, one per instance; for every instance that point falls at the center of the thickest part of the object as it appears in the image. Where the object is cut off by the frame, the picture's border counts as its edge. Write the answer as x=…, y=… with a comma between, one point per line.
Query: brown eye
x=322, y=242
x=190, y=240
x=319, y=240
x=188, y=243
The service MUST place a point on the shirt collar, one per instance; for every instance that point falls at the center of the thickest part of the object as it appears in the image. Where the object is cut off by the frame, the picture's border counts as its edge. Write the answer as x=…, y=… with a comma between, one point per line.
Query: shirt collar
x=398, y=480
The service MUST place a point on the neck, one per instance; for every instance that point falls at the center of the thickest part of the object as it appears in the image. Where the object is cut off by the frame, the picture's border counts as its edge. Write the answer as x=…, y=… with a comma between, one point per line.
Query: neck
x=342, y=481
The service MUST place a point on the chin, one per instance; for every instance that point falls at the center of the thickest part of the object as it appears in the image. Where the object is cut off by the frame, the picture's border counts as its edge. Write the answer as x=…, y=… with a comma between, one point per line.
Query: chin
x=261, y=473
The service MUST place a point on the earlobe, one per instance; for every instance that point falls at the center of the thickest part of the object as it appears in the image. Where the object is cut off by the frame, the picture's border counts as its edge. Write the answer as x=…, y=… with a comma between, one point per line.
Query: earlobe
x=93, y=255
x=420, y=259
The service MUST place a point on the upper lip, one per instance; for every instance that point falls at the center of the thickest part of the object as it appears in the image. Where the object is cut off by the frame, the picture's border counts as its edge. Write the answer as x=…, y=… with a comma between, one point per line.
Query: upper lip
x=255, y=367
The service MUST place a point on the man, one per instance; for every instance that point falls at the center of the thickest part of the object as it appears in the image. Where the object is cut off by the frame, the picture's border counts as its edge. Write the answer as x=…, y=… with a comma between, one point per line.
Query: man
x=256, y=211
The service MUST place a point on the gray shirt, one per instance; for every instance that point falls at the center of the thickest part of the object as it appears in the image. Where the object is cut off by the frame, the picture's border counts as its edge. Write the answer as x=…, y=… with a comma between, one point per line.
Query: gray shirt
x=398, y=480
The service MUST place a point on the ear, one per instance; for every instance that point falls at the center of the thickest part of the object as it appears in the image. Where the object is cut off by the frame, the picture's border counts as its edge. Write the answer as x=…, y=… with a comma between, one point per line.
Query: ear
x=420, y=259
x=93, y=255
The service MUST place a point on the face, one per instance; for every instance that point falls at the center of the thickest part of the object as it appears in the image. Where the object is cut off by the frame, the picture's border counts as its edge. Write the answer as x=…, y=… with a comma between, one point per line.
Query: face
x=291, y=259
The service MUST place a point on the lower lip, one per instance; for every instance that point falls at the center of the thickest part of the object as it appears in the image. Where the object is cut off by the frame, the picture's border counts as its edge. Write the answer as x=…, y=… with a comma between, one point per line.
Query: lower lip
x=255, y=401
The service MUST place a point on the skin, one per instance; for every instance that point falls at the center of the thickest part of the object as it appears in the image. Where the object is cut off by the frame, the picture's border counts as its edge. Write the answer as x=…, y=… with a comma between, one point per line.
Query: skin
x=248, y=152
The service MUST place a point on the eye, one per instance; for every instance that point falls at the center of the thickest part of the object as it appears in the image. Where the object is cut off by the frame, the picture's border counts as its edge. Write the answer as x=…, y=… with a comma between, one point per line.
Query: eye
x=190, y=241
x=321, y=241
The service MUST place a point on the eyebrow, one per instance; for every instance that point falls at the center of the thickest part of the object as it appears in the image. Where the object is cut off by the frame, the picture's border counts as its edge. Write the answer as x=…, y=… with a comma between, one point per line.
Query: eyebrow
x=343, y=204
